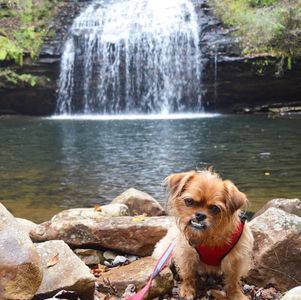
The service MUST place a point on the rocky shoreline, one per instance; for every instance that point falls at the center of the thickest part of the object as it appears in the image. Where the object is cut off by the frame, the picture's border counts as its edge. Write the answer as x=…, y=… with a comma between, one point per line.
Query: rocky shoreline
x=104, y=253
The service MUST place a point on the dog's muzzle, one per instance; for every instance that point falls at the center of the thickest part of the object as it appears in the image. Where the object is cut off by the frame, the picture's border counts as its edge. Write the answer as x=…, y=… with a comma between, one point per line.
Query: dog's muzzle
x=200, y=225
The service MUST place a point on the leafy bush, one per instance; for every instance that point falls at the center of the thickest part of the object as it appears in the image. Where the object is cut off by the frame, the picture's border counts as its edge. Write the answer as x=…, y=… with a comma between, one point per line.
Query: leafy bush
x=8, y=50
x=31, y=19
x=12, y=77
x=29, y=40
x=265, y=26
x=255, y=3
x=288, y=38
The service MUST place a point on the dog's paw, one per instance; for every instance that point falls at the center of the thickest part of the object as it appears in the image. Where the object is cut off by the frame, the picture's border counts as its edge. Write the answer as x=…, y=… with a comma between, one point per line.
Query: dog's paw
x=187, y=292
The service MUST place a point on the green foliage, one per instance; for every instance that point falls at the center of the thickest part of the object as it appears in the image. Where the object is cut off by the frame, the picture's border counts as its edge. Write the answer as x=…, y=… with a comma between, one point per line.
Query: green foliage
x=271, y=27
x=31, y=19
x=261, y=66
x=289, y=63
x=288, y=37
x=29, y=40
x=255, y=3
x=12, y=77
x=8, y=50
x=32, y=80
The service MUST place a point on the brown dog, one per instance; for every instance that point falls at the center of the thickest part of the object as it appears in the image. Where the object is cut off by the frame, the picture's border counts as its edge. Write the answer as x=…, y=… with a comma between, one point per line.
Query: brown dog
x=210, y=235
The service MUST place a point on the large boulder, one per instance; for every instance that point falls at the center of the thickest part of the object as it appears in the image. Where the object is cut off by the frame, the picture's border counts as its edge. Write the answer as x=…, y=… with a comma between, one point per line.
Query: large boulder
x=110, y=210
x=140, y=203
x=277, y=249
x=26, y=225
x=292, y=206
x=20, y=267
x=133, y=235
x=137, y=274
x=63, y=270
x=293, y=294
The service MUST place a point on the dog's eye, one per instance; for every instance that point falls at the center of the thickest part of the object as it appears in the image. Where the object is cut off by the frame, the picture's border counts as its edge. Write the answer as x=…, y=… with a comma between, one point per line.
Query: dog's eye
x=215, y=209
x=189, y=201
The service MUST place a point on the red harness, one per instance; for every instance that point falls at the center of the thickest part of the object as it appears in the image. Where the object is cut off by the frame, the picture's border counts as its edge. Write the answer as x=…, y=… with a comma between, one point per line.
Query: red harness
x=214, y=255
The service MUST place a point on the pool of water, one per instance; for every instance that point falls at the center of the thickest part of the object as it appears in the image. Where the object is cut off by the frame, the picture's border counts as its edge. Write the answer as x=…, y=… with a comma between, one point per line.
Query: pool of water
x=47, y=165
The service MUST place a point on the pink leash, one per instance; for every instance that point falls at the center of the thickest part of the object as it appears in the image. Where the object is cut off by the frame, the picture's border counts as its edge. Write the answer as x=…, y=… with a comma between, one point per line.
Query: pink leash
x=161, y=263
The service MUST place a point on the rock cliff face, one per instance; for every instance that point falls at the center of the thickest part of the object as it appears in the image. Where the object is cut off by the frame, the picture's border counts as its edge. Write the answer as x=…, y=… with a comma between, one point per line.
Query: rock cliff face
x=230, y=83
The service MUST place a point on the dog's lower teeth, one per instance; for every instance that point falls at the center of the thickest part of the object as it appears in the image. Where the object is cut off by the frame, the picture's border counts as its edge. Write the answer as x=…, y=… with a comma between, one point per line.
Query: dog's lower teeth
x=197, y=225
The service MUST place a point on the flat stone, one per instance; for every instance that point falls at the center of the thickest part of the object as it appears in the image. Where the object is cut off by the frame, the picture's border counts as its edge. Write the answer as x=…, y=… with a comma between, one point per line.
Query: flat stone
x=138, y=274
x=277, y=249
x=136, y=236
x=140, y=203
x=110, y=210
x=20, y=266
x=292, y=206
x=63, y=270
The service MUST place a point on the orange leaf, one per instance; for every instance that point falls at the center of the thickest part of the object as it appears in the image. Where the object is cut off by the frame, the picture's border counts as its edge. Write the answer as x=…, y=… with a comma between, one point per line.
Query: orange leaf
x=98, y=270
x=53, y=261
x=97, y=207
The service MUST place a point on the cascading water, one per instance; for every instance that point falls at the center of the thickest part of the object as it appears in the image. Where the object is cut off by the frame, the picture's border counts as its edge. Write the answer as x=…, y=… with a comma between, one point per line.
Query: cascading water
x=132, y=56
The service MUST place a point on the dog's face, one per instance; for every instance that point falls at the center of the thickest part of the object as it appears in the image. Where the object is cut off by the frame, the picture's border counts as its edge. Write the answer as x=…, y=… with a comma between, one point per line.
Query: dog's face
x=202, y=201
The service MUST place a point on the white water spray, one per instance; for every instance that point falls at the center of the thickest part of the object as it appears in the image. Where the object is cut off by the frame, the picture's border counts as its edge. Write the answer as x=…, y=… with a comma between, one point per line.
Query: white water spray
x=132, y=56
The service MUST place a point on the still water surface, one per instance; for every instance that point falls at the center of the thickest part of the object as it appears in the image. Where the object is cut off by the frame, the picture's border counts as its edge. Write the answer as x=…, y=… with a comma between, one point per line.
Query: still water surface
x=48, y=165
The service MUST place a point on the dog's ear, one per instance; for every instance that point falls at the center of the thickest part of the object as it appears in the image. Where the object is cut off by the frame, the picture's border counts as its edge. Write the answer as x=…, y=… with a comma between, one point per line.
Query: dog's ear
x=176, y=182
x=234, y=198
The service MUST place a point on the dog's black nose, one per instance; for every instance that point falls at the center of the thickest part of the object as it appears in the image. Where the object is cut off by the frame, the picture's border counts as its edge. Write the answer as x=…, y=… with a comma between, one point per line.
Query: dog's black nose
x=200, y=216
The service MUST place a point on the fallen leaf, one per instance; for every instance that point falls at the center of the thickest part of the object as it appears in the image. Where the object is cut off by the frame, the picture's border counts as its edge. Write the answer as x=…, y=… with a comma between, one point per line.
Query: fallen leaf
x=97, y=207
x=53, y=261
x=98, y=270
x=139, y=218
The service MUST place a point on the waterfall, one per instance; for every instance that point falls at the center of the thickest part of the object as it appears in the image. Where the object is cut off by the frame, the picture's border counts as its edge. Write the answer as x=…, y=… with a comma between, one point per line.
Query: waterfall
x=132, y=56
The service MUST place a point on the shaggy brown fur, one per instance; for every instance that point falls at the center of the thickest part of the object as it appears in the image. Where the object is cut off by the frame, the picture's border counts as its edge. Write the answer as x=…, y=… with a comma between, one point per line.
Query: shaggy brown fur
x=218, y=202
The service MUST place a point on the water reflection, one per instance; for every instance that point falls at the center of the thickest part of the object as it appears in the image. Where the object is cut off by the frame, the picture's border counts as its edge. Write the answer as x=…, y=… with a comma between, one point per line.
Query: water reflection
x=47, y=165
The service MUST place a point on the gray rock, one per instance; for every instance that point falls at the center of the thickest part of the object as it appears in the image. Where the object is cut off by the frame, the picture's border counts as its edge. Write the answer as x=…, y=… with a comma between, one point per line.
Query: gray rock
x=63, y=270
x=20, y=267
x=277, y=249
x=119, y=260
x=131, y=235
x=90, y=256
x=292, y=206
x=109, y=255
x=140, y=203
x=26, y=224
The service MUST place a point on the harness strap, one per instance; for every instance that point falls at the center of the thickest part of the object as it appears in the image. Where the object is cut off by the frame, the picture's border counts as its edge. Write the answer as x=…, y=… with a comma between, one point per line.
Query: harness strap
x=213, y=256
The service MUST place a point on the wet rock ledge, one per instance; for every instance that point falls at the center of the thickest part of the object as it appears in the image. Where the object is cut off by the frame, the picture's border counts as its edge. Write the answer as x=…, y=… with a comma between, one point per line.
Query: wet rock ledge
x=104, y=253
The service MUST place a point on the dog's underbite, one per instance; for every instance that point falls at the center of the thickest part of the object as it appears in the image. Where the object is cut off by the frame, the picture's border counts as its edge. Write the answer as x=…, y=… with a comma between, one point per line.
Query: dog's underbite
x=211, y=235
